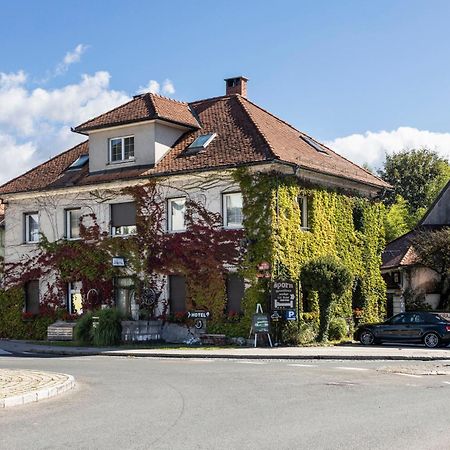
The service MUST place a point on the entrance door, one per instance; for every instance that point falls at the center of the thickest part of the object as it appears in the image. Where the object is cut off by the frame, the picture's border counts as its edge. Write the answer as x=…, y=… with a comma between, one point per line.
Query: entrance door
x=74, y=299
x=177, y=294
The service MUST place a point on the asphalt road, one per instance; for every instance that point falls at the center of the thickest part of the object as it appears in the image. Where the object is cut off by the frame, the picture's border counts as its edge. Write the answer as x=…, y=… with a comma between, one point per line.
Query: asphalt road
x=147, y=403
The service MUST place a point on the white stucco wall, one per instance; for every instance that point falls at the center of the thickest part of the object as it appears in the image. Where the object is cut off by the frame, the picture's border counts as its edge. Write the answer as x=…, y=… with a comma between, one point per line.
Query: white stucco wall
x=152, y=140
x=51, y=210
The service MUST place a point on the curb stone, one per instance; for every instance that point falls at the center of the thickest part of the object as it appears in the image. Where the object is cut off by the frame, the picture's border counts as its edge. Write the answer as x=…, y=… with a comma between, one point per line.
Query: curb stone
x=182, y=354
x=38, y=394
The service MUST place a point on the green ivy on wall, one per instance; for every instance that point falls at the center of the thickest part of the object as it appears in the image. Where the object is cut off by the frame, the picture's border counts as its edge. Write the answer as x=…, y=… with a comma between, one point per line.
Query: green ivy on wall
x=345, y=226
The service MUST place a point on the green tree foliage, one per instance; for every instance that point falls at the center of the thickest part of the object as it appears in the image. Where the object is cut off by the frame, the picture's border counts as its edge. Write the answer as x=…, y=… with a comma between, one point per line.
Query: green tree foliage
x=433, y=250
x=330, y=279
x=399, y=219
x=417, y=175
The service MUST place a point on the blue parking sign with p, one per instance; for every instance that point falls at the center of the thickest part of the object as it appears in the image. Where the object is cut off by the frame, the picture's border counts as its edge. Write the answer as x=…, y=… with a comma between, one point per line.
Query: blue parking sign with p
x=291, y=314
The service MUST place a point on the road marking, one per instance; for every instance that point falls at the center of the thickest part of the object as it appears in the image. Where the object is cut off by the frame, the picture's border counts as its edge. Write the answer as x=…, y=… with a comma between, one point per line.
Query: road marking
x=201, y=360
x=446, y=382
x=407, y=375
x=352, y=368
x=302, y=365
x=251, y=362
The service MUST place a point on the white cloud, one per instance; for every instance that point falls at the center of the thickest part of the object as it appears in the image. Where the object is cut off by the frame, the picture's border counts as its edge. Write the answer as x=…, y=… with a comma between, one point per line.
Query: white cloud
x=20, y=157
x=11, y=80
x=70, y=58
x=152, y=86
x=35, y=123
x=168, y=87
x=155, y=88
x=371, y=147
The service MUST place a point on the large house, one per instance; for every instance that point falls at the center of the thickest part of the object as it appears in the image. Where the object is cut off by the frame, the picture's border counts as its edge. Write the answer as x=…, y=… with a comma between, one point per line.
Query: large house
x=282, y=196
x=402, y=270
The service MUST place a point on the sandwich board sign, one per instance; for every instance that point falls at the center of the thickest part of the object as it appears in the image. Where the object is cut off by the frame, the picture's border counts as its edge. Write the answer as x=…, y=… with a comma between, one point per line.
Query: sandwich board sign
x=260, y=324
x=283, y=295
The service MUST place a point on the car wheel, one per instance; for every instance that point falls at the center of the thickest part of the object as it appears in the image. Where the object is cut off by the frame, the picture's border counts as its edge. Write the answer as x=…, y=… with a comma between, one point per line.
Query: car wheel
x=431, y=340
x=366, y=337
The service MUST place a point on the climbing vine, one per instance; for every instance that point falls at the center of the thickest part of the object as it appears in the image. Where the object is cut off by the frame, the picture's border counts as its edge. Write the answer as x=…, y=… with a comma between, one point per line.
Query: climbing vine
x=339, y=224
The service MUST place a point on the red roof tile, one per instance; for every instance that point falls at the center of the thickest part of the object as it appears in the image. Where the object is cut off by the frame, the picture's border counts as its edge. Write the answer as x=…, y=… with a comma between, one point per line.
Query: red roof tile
x=245, y=132
x=144, y=107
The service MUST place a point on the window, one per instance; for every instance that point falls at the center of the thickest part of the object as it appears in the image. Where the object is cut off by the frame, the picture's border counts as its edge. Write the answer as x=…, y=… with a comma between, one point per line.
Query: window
x=32, y=297
x=400, y=318
x=31, y=227
x=124, y=295
x=121, y=149
x=200, y=143
x=73, y=217
x=358, y=218
x=79, y=162
x=235, y=293
x=176, y=208
x=123, y=219
x=74, y=299
x=232, y=210
x=177, y=294
x=314, y=144
x=303, y=205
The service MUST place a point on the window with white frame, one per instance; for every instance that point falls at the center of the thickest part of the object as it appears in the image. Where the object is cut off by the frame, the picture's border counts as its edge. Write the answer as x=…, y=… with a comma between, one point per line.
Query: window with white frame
x=176, y=208
x=123, y=219
x=232, y=210
x=73, y=217
x=31, y=227
x=121, y=149
x=303, y=205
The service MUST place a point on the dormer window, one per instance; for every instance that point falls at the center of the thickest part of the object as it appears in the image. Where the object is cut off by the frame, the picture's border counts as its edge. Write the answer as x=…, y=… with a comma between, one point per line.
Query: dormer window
x=121, y=149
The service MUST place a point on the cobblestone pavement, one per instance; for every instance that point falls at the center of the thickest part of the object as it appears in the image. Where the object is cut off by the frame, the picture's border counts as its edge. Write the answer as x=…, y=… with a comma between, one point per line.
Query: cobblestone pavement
x=18, y=387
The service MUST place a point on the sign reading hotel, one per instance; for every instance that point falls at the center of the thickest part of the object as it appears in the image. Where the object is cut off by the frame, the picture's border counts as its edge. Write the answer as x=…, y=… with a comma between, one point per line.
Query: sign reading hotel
x=283, y=295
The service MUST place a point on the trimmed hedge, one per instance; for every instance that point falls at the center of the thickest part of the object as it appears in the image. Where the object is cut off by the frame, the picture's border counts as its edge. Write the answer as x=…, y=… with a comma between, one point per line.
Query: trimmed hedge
x=12, y=325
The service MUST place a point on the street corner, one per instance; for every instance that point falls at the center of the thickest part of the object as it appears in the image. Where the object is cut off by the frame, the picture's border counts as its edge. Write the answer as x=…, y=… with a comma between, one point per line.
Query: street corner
x=19, y=387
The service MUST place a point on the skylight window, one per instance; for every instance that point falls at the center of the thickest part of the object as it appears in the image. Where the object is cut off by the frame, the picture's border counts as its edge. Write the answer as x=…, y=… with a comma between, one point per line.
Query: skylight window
x=201, y=142
x=314, y=144
x=79, y=162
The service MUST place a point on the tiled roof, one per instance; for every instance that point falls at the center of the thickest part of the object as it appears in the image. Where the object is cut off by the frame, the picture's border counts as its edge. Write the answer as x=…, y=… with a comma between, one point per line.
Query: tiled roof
x=400, y=251
x=143, y=107
x=246, y=134
x=396, y=250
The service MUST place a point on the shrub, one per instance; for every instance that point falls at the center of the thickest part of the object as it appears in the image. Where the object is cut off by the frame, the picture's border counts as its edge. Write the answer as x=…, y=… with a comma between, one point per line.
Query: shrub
x=109, y=328
x=83, y=329
x=415, y=301
x=330, y=278
x=338, y=329
x=13, y=324
x=293, y=334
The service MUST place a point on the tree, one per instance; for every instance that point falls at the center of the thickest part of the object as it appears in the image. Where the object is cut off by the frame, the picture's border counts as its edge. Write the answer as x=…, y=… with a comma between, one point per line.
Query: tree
x=417, y=175
x=330, y=279
x=433, y=251
x=396, y=219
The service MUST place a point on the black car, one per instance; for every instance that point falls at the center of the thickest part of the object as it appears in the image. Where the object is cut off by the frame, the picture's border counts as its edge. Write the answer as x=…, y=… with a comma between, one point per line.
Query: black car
x=431, y=328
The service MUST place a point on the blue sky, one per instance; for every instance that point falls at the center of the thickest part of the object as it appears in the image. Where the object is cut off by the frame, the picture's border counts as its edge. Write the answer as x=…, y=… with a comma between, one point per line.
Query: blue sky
x=365, y=76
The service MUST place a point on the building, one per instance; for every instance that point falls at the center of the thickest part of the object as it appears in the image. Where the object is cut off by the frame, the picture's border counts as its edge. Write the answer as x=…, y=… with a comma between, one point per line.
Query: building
x=402, y=270
x=281, y=196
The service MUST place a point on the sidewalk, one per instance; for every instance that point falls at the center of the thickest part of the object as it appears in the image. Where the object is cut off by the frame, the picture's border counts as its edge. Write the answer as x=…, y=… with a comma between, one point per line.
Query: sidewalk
x=340, y=352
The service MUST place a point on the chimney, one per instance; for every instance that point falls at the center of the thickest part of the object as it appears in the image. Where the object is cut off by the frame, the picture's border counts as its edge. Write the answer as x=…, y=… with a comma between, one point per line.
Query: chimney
x=236, y=85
